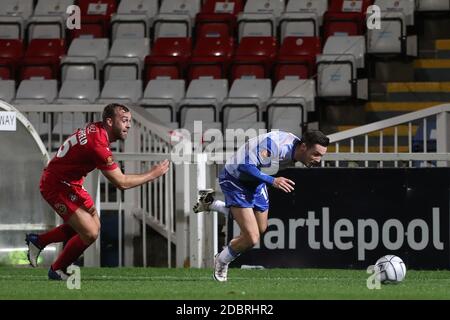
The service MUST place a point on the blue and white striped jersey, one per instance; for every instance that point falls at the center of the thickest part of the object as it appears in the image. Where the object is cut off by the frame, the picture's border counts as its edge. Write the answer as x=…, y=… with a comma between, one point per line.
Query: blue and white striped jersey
x=268, y=152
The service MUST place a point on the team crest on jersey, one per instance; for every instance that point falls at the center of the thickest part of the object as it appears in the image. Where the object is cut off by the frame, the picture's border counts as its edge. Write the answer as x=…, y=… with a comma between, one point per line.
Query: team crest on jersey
x=92, y=128
x=109, y=161
x=61, y=208
x=73, y=197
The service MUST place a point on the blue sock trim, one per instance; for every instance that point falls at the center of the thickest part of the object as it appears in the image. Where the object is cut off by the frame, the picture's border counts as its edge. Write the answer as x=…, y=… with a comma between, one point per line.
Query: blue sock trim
x=232, y=252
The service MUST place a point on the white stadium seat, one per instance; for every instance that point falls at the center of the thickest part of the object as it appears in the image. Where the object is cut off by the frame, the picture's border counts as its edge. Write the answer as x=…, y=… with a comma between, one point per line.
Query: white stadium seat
x=12, y=27
x=203, y=100
x=246, y=101
x=302, y=18
x=337, y=68
x=36, y=91
x=128, y=91
x=79, y=92
x=52, y=7
x=148, y=8
x=17, y=8
x=181, y=7
x=161, y=98
x=84, y=59
x=126, y=58
x=289, y=105
x=260, y=18
x=171, y=26
x=7, y=90
x=48, y=27
x=396, y=15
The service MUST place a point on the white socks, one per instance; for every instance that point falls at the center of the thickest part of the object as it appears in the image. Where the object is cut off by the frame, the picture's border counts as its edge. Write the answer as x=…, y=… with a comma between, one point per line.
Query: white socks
x=227, y=255
x=219, y=206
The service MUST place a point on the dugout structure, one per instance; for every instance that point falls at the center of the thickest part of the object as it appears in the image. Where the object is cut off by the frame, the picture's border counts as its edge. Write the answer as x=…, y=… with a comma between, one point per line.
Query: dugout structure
x=22, y=209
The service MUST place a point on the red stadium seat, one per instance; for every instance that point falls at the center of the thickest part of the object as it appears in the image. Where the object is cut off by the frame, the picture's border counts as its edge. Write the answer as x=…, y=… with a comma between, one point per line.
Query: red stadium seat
x=42, y=58
x=345, y=17
x=254, y=57
x=95, y=18
x=297, y=57
x=11, y=53
x=211, y=58
x=169, y=58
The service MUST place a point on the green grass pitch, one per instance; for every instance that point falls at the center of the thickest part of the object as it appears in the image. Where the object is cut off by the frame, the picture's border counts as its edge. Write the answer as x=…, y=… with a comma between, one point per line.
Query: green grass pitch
x=197, y=284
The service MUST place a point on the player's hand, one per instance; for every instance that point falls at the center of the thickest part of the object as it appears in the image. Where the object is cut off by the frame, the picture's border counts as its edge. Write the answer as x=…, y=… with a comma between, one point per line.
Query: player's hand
x=160, y=169
x=284, y=184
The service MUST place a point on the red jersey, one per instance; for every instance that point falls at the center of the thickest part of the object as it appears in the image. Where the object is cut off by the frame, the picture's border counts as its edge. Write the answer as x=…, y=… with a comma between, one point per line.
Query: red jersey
x=84, y=151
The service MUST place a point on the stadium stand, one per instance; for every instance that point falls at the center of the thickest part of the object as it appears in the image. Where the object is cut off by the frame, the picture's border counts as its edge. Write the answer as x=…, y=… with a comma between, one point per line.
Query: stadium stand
x=161, y=99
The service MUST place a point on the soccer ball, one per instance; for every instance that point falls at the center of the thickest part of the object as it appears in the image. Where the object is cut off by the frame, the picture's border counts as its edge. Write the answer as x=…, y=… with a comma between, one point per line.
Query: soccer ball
x=390, y=269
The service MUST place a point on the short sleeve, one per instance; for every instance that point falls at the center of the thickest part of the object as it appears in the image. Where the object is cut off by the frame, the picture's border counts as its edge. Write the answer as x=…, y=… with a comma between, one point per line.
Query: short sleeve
x=103, y=158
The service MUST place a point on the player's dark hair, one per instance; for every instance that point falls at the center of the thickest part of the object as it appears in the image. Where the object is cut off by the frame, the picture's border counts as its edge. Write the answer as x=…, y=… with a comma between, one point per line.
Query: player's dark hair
x=110, y=109
x=313, y=137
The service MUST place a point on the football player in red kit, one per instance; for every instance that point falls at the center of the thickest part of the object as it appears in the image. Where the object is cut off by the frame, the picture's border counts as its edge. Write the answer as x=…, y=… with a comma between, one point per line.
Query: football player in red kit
x=61, y=186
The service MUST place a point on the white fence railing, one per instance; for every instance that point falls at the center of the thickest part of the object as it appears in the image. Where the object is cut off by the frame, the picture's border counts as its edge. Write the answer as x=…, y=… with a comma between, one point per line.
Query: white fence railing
x=392, y=142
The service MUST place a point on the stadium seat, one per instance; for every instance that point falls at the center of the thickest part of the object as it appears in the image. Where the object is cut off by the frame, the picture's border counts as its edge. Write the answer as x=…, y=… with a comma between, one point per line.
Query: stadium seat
x=12, y=27
x=189, y=8
x=202, y=103
x=95, y=18
x=11, y=53
x=260, y=18
x=169, y=58
x=79, y=92
x=392, y=38
x=7, y=90
x=46, y=27
x=274, y=7
x=218, y=18
x=133, y=19
x=345, y=17
x=211, y=58
x=302, y=18
x=246, y=101
x=84, y=59
x=291, y=101
x=52, y=7
x=171, y=26
x=338, y=65
x=129, y=26
x=126, y=91
x=161, y=99
x=126, y=59
x=254, y=58
x=42, y=59
x=433, y=5
x=32, y=92
x=256, y=25
x=13, y=17
x=17, y=8
x=297, y=57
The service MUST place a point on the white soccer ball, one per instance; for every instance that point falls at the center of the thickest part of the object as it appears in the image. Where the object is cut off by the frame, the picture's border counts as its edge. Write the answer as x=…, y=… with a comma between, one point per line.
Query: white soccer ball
x=390, y=269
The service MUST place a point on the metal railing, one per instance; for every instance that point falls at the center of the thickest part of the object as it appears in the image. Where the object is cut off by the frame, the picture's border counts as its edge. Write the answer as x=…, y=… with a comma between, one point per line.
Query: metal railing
x=394, y=142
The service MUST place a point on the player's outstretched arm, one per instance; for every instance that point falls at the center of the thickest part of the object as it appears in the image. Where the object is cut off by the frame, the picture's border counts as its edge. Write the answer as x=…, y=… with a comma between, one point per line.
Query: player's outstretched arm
x=127, y=181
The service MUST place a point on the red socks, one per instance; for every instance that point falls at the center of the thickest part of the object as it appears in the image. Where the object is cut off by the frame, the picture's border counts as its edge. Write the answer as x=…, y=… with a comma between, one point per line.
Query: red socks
x=73, y=249
x=61, y=233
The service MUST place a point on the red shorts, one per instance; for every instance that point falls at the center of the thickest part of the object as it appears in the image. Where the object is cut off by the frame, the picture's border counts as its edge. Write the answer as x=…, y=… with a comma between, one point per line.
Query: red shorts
x=63, y=197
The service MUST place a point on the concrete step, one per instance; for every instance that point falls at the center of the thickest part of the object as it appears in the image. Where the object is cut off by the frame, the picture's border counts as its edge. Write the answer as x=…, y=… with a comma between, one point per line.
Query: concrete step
x=431, y=69
x=417, y=91
x=442, y=48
